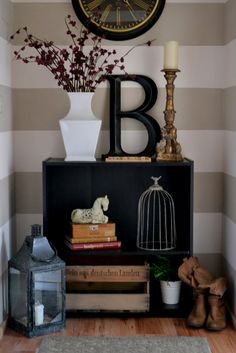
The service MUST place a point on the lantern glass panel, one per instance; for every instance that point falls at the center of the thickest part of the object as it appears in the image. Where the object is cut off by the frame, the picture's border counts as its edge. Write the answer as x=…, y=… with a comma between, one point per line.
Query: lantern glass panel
x=48, y=297
x=18, y=297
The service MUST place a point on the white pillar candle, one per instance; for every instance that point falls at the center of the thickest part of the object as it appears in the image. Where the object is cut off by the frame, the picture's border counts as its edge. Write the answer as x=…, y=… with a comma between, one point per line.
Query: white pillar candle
x=171, y=55
x=39, y=314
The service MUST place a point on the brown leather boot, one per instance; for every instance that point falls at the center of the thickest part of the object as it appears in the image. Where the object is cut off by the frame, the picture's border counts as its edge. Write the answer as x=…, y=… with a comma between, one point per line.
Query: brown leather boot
x=192, y=273
x=198, y=277
x=198, y=315
x=216, y=320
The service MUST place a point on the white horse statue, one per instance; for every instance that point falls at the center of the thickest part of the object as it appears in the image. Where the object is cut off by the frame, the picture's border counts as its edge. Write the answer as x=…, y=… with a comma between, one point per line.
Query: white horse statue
x=92, y=215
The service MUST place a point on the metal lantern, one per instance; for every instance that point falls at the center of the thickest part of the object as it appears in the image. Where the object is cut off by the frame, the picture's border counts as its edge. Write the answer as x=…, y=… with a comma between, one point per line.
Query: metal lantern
x=156, y=219
x=36, y=287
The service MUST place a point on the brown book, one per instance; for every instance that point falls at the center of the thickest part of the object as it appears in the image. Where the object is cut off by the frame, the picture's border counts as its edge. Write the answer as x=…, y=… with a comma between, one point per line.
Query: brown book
x=91, y=230
x=92, y=239
x=94, y=246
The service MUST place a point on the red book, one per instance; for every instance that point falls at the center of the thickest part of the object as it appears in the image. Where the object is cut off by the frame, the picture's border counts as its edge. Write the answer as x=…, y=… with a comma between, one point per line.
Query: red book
x=94, y=245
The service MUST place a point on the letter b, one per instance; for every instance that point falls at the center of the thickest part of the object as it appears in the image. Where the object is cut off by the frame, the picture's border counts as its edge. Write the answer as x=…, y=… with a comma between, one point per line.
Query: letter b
x=116, y=114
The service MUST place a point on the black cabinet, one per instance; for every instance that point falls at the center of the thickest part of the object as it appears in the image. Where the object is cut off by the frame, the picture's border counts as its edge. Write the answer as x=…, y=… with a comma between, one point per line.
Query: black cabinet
x=70, y=185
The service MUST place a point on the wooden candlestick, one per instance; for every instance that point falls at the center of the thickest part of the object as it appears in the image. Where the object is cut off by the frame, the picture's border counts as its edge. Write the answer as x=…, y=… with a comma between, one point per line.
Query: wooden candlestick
x=169, y=149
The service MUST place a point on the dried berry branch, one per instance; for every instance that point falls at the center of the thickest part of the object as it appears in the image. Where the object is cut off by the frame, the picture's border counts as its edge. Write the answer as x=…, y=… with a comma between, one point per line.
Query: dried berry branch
x=76, y=68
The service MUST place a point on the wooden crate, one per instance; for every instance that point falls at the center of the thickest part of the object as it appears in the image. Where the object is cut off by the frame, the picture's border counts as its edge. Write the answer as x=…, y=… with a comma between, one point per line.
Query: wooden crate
x=108, y=288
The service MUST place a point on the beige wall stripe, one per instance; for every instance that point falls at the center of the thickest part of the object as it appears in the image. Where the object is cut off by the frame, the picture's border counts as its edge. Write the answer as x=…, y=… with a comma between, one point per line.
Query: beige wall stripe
x=229, y=108
x=229, y=192
x=197, y=24
x=7, y=199
x=6, y=19
x=207, y=192
x=28, y=192
x=6, y=120
x=229, y=21
x=41, y=109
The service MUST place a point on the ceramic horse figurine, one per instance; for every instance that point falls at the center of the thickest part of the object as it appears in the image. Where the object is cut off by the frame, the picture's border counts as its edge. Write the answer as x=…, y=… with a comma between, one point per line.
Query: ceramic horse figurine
x=92, y=215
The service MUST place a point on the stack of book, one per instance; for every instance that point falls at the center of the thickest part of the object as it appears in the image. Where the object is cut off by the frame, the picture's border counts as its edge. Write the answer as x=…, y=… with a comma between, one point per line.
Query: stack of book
x=92, y=237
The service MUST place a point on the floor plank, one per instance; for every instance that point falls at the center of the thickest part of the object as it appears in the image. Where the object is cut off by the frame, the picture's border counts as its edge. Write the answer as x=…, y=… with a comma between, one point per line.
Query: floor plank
x=224, y=341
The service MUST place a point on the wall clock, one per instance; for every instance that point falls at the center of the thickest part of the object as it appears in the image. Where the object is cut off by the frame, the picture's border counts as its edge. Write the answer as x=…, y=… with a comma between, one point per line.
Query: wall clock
x=118, y=19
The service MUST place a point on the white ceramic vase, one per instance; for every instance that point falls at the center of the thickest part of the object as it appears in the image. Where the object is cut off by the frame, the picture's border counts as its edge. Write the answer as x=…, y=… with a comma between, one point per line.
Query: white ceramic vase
x=170, y=292
x=80, y=128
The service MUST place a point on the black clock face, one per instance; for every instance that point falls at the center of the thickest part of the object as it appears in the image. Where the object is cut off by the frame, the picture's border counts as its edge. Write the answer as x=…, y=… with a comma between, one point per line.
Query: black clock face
x=118, y=19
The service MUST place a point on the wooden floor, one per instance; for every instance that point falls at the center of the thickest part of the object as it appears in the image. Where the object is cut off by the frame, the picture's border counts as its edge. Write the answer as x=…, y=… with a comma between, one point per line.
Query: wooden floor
x=220, y=342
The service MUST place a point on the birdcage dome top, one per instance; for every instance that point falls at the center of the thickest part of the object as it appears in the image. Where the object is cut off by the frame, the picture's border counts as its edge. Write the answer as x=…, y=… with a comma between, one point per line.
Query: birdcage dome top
x=156, y=186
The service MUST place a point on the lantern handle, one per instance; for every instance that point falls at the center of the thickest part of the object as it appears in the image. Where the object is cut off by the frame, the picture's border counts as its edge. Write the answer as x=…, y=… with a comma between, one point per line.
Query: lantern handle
x=49, y=259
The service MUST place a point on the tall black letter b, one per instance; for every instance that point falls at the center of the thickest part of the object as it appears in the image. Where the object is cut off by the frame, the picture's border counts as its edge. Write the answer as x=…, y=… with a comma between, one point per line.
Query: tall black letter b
x=116, y=114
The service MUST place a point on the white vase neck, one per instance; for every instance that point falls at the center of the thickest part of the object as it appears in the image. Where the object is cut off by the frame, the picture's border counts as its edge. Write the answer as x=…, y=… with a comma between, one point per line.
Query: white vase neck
x=80, y=106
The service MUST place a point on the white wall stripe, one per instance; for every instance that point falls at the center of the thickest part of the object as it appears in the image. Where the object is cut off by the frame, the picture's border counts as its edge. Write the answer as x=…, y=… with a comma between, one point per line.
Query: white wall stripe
x=6, y=154
x=229, y=241
x=44, y=144
x=229, y=157
x=204, y=147
x=5, y=244
x=6, y=232
x=201, y=67
x=207, y=228
x=5, y=63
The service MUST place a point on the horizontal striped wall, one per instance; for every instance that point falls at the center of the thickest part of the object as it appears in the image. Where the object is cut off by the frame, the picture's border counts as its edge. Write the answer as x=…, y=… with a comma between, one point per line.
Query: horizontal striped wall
x=199, y=96
x=229, y=168
x=7, y=195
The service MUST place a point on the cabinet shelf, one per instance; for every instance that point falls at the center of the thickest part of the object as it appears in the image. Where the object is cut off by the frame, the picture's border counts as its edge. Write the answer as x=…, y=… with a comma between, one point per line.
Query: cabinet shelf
x=71, y=185
x=124, y=252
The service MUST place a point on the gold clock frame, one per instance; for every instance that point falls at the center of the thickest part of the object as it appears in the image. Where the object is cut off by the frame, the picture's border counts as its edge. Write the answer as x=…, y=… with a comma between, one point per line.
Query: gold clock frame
x=114, y=33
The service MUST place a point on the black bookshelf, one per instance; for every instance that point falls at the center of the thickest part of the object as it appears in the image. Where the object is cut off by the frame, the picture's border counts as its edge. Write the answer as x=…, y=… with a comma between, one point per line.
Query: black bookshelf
x=70, y=185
